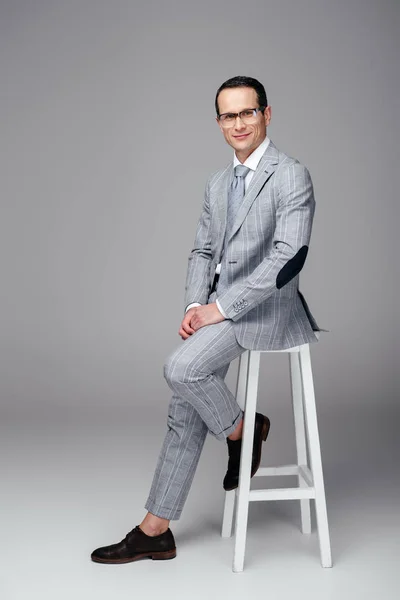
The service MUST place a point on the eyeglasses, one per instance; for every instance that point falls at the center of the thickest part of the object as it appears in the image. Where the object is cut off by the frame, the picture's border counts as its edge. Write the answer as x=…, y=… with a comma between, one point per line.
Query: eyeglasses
x=248, y=115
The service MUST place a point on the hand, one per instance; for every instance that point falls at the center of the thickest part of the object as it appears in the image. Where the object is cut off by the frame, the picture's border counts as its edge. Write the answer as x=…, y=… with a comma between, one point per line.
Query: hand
x=199, y=316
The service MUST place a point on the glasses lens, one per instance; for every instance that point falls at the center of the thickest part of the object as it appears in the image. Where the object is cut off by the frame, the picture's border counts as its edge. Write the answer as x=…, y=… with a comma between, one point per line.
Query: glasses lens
x=227, y=119
x=248, y=115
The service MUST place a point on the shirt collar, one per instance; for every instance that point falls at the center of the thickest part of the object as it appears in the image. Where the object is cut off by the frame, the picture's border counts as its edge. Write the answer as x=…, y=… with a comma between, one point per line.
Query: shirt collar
x=254, y=158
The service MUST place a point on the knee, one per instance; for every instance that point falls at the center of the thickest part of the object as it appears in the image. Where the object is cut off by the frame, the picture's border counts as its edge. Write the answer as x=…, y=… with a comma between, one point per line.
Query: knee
x=169, y=369
x=178, y=369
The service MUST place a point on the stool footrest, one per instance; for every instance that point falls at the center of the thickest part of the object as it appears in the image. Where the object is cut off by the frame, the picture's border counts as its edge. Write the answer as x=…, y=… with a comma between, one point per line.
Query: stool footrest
x=289, y=493
x=293, y=493
x=302, y=471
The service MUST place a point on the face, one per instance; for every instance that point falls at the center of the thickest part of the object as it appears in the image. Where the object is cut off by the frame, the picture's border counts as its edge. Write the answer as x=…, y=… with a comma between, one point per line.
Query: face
x=243, y=137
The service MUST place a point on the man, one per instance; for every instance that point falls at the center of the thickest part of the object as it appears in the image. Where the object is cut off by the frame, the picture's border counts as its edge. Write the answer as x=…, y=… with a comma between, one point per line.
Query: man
x=242, y=293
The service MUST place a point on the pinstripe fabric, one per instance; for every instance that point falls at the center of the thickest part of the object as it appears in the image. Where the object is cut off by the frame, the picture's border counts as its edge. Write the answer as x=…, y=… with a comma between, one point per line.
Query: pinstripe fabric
x=201, y=402
x=272, y=224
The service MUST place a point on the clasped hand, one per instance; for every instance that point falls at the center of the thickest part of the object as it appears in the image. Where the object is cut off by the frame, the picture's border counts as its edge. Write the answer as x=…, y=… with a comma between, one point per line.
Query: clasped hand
x=199, y=316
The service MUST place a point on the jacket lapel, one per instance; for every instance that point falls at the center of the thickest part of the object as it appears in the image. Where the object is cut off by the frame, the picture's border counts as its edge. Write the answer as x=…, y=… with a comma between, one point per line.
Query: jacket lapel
x=265, y=168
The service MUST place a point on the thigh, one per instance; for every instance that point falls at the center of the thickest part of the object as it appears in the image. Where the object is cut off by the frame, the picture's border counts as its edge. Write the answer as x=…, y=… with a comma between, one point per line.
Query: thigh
x=210, y=349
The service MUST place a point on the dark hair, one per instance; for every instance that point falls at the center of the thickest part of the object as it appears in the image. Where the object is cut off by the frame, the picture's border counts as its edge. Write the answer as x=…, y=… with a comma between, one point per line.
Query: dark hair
x=242, y=81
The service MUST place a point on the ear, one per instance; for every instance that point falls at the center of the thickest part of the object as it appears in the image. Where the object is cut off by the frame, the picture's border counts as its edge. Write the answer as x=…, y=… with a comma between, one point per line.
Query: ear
x=267, y=115
x=219, y=124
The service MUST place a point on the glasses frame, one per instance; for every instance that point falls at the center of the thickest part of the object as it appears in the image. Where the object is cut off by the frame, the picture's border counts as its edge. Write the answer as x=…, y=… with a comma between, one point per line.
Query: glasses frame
x=236, y=115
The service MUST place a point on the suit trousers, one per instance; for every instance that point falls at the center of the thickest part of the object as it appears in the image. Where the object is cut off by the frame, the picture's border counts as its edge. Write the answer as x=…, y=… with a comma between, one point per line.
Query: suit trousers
x=201, y=403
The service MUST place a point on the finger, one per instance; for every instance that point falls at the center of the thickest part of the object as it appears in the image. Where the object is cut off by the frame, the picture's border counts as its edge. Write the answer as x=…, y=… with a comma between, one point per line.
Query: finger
x=184, y=335
x=186, y=326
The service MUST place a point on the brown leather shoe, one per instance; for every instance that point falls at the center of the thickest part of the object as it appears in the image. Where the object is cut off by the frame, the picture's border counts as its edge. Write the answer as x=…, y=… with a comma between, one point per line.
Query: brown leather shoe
x=136, y=545
x=261, y=430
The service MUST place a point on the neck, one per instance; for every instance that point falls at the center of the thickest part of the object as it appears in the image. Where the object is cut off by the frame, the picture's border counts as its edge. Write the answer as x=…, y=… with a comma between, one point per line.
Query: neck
x=242, y=156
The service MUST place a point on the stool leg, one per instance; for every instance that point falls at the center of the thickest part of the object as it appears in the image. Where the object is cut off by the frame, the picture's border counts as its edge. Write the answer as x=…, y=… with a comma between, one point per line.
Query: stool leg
x=300, y=434
x=241, y=382
x=245, y=461
x=315, y=456
x=229, y=506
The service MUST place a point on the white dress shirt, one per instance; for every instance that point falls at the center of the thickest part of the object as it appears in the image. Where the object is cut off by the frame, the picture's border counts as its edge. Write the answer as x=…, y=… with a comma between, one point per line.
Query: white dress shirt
x=251, y=162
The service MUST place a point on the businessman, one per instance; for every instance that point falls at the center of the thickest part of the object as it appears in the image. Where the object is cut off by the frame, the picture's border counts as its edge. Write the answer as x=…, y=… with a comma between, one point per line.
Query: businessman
x=242, y=292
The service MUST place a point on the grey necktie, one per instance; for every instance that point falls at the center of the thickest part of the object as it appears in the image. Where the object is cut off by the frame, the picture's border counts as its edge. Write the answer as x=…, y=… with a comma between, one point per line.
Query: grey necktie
x=235, y=197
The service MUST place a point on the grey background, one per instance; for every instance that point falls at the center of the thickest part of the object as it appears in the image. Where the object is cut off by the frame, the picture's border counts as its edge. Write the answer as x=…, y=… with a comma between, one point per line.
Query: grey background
x=108, y=128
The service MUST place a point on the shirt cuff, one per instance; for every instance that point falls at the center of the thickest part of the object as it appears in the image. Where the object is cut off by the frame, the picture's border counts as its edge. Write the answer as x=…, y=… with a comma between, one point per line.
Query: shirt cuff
x=191, y=305
x=220, y=309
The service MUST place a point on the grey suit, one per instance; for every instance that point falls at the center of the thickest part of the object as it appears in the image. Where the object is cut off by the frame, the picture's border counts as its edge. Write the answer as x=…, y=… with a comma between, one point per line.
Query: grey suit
x=263, y=255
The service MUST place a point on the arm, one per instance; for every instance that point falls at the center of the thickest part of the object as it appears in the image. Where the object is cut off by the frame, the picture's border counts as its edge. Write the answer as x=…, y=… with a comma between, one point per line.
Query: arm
x=199, y=261
x=294, y=216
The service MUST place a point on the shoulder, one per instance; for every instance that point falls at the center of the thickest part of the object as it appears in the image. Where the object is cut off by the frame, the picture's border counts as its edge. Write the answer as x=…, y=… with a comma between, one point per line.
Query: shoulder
x=292, y=179
x=215, y=177
x=289, y=165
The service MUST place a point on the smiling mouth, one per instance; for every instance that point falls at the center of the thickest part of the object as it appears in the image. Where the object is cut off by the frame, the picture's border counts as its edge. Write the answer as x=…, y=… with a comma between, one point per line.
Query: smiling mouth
x=241, y=136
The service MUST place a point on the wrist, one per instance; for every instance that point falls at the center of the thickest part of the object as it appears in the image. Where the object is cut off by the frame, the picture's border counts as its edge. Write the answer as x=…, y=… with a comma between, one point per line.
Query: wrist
x=220, y=309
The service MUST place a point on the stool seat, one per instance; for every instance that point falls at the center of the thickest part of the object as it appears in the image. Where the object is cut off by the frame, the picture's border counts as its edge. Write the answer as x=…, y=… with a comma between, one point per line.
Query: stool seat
x=309, y=472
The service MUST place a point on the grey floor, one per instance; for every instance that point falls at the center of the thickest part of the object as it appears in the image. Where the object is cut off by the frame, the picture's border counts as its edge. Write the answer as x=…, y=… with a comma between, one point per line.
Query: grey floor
x=75, y=481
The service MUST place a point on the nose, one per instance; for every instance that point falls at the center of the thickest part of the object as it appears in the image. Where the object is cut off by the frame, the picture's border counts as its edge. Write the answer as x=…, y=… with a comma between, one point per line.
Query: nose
x=239, y=125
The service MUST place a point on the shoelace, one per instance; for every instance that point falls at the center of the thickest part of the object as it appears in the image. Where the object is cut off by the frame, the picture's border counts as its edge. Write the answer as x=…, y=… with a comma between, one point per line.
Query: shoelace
x=130, y=533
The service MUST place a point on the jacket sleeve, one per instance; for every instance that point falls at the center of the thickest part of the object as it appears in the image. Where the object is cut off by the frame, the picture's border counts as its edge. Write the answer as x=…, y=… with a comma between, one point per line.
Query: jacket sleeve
x=199, y=261
x=294, y=216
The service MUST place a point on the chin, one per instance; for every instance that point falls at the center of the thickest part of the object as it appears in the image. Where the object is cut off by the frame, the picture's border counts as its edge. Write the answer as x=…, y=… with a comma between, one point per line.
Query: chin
x=241, y=143
x=243, y=147
x=246, y=143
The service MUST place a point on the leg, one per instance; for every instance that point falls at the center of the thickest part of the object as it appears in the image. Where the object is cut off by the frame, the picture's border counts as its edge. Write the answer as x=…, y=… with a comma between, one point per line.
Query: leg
x=191, y=373
x=201, y=400
x=183, y=444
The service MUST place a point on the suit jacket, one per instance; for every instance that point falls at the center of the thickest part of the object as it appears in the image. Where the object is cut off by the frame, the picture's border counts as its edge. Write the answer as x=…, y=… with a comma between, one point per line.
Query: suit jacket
x=263, y=254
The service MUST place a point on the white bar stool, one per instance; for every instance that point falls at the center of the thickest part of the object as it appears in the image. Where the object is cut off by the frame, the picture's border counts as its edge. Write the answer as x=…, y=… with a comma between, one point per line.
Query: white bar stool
x=310, y=480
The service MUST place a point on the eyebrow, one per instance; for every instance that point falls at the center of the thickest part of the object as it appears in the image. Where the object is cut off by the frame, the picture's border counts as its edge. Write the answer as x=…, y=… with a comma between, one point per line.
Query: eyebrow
x=232, y=112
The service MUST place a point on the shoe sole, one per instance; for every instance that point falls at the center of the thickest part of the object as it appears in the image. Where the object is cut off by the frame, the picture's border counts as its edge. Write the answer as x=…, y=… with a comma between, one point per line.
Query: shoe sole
x=264, y=434
x=153, y=555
